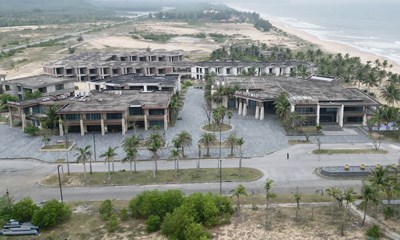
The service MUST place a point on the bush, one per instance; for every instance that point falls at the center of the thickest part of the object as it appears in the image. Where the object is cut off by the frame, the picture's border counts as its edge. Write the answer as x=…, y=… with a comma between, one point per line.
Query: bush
x=105, y=210
x=24, y=210
x=112, y=224
x=6, y=209
x=153, y=224
x=155, y=203
x=123, y=214
x=388, y=212
x=51, y=214
x=374, y=231
x=31, y=130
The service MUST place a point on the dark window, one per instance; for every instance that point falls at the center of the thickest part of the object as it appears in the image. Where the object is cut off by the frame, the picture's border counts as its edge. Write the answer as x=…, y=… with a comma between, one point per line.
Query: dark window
x=59, y=86
x=156, y=112
x=43, y=90
x=354, y=119
x=8, y=88
x=72, y=117
x=37, y=109
x=133, y=58
x=135, y=111
x=353, y=109
x=19, y=88
x=93, y=116
x=305, y=110
x=143, y=59
x=26, y=110
x=156, y=123
x=111, y=116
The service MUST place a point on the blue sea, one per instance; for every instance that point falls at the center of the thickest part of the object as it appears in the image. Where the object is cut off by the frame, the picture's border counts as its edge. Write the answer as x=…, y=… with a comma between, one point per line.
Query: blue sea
x=371, y=26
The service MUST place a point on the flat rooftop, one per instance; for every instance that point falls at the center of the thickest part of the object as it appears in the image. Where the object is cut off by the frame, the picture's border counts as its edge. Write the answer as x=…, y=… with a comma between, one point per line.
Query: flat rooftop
x=299, y=90
x=39, y=81
x=229, y=63
x=116, y=101
x=167, y=80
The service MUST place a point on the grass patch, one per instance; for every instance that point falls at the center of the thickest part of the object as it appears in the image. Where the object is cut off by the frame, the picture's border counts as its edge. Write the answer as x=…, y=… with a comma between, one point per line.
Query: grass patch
x=219, y=38
x=163, y=176
x=215, y=128
x=56, y=146
x=350, y=151
x=162, y=37
x=293, y=142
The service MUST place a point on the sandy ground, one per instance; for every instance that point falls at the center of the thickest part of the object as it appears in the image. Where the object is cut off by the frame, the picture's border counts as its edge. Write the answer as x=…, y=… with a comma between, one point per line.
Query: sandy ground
x=334, y=47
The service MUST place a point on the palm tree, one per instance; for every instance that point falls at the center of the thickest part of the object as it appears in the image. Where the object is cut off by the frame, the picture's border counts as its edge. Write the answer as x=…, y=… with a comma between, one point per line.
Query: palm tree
x=130, y=146
x=237, y=192
x=109, y=156
x=240, y=143
x=336, y=195
x=382, y=180
x=268, y=196
x=231, y=141
x=369, y=193
x=183, y=139
x=229, y=115
x=153, y=145
x=349, y=198
x=282, y=105
x=206, y=140
x=175, y=106
x=175, y=153
x=82, y=156
x=390, y=93
x=52, y=117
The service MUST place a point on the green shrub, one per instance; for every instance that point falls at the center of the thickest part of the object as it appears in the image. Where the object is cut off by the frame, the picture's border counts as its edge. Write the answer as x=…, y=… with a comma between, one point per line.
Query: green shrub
x=389, y=212
x=195, y=231
x=51, y=214
x=105, y=209
x=153, y=224
x=6, y=209
x=31, y=130
x=24, y=210
x=112, y=224
x=123, y=214
x=374, y=231
x=155, y=203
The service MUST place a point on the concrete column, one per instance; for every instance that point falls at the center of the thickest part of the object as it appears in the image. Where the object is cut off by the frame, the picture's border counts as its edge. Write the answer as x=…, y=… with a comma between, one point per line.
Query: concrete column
x=123, y=126
x=318, y=113
x=364, y=120
x=81, y=125
x=60, y=127
x=165, y=121
x=240, y=109
x=262, y=112
x=292, y=108
x=145, y=88
x=23, y=120
x=236, y=104
x=30, y=110
x=11, y=117
x=244, y=109
x=146, y=123
x=257, y=112
x=341, y=115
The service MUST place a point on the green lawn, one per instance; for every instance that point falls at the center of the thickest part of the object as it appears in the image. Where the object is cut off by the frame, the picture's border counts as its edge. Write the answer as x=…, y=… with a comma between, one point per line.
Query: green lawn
x=215, y=128
x=350, y=151
x=163, y=177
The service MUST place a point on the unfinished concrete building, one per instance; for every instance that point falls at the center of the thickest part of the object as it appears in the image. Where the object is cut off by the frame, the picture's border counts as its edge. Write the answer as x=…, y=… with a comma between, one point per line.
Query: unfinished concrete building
x=97, y=65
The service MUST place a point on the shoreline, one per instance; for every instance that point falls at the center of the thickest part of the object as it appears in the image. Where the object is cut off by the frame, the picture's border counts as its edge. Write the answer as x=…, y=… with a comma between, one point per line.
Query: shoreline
x=329, y=46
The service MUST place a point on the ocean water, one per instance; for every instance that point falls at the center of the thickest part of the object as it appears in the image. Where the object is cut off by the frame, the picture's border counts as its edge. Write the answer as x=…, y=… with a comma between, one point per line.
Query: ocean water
x=371, y=26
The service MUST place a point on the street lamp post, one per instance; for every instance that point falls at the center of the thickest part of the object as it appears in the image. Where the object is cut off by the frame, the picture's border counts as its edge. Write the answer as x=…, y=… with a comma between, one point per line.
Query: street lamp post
x=59, y=181
x=220, y=177
x=94, y=147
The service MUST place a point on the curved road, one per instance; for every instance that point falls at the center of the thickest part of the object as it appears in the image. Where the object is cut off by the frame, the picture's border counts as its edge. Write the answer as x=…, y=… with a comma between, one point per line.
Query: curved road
x=21, y=177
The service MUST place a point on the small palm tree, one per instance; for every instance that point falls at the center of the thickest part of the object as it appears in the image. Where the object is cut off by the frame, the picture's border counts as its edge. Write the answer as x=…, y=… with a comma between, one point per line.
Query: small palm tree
x=229, y=114
x=130, y=146
x=232, y=141
x=369, y=193
x=82, y=156
x=153, y=145
x=349, y=198
x=237, y=192
x=207, y=139
x=175, y=153
x=240, y=143
x=297, y=197
x=109, y=157
x=336, y=194
x=268, y=195
x=183, y=140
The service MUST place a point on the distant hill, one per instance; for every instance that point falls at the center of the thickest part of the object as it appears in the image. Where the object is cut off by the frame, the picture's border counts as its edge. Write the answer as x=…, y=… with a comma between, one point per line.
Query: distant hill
x=43, y=5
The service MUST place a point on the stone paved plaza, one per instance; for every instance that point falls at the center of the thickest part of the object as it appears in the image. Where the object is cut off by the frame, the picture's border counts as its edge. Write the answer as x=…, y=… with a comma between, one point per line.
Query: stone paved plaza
x=261, y=137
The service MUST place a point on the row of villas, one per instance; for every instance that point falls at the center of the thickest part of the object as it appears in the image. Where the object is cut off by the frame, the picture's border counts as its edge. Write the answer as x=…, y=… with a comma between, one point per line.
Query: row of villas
x=320, y=100
x=109, y=105
x=92, y=66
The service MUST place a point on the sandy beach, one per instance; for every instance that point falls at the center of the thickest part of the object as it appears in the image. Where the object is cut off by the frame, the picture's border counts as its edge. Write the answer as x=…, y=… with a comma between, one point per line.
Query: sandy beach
x=334, y=47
